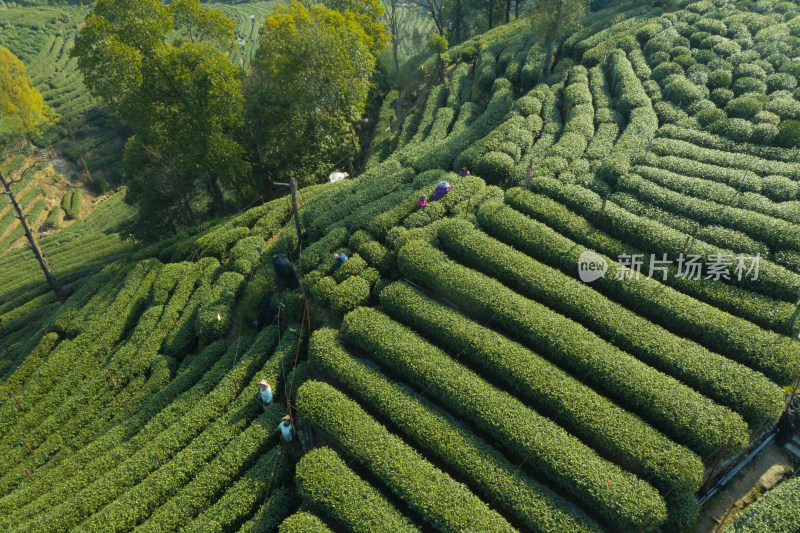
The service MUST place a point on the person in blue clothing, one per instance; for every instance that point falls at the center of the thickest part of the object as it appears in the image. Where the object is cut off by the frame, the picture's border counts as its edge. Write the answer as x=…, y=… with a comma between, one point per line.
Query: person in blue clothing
x=286, y=428
x=264, y=394
x=340, y=259
x=441, y=189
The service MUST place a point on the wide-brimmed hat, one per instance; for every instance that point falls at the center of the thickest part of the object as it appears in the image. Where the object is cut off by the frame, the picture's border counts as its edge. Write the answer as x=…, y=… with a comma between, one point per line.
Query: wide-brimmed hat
x=443, y=183
x=263, y=383
x=286, y=418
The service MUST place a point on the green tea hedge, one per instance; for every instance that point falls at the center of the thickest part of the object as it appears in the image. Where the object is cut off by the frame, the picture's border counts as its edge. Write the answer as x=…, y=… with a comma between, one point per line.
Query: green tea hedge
x=557, y=456
x=683, y=414
x=723, y=380
x=324, y=479
x=495, y=478
x=440, y=500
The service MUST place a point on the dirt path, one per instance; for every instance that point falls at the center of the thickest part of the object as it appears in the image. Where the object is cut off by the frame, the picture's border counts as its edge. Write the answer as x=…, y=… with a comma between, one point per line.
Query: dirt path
x=766, y=470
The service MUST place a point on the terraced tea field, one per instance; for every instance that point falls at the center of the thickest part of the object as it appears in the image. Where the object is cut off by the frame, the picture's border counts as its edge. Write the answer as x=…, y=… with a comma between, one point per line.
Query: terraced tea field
x=569, y=340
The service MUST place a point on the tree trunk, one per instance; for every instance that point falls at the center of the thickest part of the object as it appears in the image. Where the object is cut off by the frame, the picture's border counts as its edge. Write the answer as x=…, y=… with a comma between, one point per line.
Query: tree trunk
x=48, y=271
x=516, y=9
x=395, y=46
x=508, y=11
x=188, y=214
x=80, y=153
x=295, y=209
x=457, y=22
x=548, y=58
x=441, y=69
x=491, y=14
x=219, y=199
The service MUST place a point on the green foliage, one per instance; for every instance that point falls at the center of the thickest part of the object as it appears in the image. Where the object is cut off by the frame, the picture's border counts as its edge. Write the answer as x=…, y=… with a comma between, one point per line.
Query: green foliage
x=495, y=167
x=496, y=477
x=303, y=522
x=303, y=115
x=125, y=55
x=650, y=235
x=788, y=134
x=324, y=479
x=519, y=428
x=322, y=249
x=613, y=431
x=215, y=314
x=440, y=500
x=715, y=376
x=631, y=383
x=349, y=294
x=777, y=510
x=372, y=251
x=71, y=202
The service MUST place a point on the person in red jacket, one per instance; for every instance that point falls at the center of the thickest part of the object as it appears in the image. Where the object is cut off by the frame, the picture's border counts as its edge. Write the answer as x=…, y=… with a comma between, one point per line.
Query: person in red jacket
x=422, y=201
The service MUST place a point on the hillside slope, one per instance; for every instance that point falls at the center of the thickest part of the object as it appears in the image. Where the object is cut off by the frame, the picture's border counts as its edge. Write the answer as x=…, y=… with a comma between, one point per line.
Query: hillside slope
x=470, y=372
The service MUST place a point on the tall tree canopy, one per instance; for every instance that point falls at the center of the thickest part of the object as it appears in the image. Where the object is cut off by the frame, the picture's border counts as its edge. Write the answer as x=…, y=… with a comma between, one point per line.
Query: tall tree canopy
x=551, y=19
x=22, y=108
x=165, y=69
x=22, y=114
x=309, y=85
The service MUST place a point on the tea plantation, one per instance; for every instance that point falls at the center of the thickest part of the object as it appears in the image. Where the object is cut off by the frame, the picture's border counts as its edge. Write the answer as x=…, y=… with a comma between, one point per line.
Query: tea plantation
x=460, y=372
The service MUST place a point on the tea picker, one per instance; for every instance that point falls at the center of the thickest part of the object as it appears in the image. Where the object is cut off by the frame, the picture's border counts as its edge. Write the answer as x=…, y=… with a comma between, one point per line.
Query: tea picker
x=340, y=260
x=264, y=394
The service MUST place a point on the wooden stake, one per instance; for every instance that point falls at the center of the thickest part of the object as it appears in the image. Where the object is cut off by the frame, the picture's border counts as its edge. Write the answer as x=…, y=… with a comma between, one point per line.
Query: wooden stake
x=466, y=211
x=308, y=318
x=128, y=407
x=600, y=214
x=646, y=518
x=791, y=398
x=29, y=475
x=26, y=445
x=173, y=319
x=110, y=378
x=142, y=262
x=688, y=237
x=18, y=404
x=197, y=256
x=159, y=460
x=48, y=338
x=236, y=384
x=12, y=303
x=88, y=287
x=716, y=465
x=103, y=343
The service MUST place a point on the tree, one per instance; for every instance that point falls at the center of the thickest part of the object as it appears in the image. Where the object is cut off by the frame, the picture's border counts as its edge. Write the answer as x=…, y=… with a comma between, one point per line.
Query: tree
x=439, y=46
x=551, y=19
x=23, y=113
x=369, y=14
x=436, y=10
x=309, y=85
x=165, y=70
x=398, y=24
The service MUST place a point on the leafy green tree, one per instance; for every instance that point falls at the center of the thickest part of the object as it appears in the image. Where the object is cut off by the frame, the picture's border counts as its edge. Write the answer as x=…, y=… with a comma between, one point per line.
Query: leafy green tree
x=165, y=70
x=552, y=19
x=309, y=85
x=439, y=45
x=369, y=14
x=23, y=113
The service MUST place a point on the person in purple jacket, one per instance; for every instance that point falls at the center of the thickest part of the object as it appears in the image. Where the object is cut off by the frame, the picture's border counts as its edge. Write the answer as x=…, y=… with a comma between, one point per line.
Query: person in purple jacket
x=442, y=189
x=422, y=201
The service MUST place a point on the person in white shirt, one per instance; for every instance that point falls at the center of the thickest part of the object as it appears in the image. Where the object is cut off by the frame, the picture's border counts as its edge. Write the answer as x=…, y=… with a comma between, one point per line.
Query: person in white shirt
x=286, y=429
x=264, y=394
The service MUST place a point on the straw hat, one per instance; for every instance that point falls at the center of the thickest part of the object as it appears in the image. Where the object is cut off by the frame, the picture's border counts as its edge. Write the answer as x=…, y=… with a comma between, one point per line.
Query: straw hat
x=263, y=383
x=286, y=418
